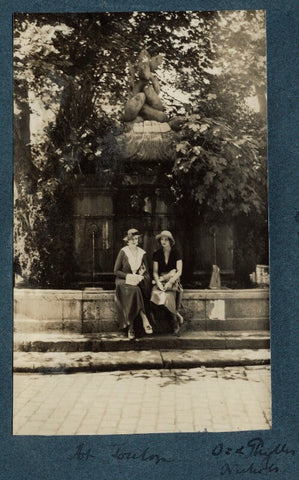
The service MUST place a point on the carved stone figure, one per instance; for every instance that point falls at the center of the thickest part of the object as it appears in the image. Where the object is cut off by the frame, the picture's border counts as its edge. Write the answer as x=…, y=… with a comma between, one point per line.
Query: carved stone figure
x=144, y=102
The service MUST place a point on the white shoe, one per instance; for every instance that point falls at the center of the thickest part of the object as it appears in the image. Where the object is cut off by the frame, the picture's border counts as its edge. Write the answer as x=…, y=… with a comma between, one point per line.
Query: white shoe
x=148, y=329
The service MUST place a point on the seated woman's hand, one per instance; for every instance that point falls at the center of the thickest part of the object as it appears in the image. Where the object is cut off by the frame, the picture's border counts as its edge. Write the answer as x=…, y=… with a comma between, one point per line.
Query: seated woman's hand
x=142, y=269
x=167, y=276
x=160, y=285
x=172, y=273
x=168, y=285
x=139, y=277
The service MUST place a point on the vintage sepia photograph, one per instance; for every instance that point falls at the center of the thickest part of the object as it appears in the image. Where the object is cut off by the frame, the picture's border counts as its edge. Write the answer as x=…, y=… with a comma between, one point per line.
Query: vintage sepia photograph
x=141, y=249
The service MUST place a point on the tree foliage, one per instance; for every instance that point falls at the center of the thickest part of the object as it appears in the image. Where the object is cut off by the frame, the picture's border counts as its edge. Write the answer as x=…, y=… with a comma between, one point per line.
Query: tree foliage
x=77, y=67
x=219, y=168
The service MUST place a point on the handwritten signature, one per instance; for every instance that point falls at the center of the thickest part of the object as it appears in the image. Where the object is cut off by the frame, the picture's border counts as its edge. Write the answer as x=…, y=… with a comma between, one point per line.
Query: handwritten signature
x=119, y=453
x=261, y=459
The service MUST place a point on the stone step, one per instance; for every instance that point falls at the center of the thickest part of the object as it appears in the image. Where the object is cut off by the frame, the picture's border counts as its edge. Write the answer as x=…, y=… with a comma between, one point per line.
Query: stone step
x=109, y=342
x=71, y=362
x=23, y=324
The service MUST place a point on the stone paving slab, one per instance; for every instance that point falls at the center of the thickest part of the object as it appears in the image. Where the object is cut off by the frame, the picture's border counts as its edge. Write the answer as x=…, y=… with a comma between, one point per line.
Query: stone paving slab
x=68, y=362
x=215, y=358
x=143, y=401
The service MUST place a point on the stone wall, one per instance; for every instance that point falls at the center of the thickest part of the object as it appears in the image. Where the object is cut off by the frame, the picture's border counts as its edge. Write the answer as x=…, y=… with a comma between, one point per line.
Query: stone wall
x=95, y=311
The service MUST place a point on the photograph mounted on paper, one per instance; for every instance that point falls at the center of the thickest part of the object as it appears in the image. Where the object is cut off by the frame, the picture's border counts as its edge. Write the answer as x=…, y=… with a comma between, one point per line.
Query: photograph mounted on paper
x=141, y=270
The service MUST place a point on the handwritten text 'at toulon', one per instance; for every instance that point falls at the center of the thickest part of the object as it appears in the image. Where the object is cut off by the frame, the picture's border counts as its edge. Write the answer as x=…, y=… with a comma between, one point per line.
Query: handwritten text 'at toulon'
x=119, y=453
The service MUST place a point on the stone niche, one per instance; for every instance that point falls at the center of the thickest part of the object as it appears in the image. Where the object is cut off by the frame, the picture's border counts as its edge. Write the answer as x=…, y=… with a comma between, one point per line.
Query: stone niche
x=141, y=200
x=93, y=229
x=213, y=245
x=101, y=216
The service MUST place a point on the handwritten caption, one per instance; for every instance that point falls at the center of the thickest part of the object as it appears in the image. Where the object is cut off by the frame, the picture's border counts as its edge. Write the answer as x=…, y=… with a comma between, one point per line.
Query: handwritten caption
x=254, y=457
x=119, y=453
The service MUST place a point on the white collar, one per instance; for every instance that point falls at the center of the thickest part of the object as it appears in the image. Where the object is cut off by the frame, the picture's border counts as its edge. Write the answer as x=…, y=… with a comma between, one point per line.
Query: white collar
x=134, y=260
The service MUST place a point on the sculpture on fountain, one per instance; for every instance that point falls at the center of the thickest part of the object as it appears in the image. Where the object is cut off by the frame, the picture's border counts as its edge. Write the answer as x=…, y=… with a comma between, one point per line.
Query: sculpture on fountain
x=147, y=135
x=144, y=103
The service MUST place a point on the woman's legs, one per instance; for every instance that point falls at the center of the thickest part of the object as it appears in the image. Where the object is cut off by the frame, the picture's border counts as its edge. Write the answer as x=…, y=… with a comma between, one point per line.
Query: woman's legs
x=175, y=324
x=146, y=325
x=179, y=297
x=131, y=333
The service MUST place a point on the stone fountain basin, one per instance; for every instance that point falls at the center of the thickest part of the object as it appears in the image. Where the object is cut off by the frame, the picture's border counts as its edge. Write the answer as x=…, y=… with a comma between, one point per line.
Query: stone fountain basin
x=91, y=311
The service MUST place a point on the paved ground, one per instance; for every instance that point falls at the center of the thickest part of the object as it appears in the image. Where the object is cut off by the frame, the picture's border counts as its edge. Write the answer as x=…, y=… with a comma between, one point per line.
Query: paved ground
x=143, y=401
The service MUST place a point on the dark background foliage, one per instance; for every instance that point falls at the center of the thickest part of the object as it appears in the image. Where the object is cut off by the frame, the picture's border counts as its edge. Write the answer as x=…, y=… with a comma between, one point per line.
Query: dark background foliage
x=76, y=65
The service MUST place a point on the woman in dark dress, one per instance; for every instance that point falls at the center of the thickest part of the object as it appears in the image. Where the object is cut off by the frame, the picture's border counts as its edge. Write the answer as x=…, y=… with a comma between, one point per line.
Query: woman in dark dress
x=167, y=292
x=132, y=284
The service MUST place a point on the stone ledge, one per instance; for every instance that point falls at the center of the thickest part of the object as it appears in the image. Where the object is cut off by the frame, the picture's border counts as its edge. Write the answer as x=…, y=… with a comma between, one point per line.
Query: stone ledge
x=65, y=362
x=109, y=294
x=98, y=295
x=99, y=342
x=44, y=293
x=151, y=126
x=226, y=294
x=96, y=310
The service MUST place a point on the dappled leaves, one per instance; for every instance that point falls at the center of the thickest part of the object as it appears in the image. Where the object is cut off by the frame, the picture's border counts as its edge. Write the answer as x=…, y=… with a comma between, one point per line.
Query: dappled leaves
x=219, y=168
x=76, y=66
